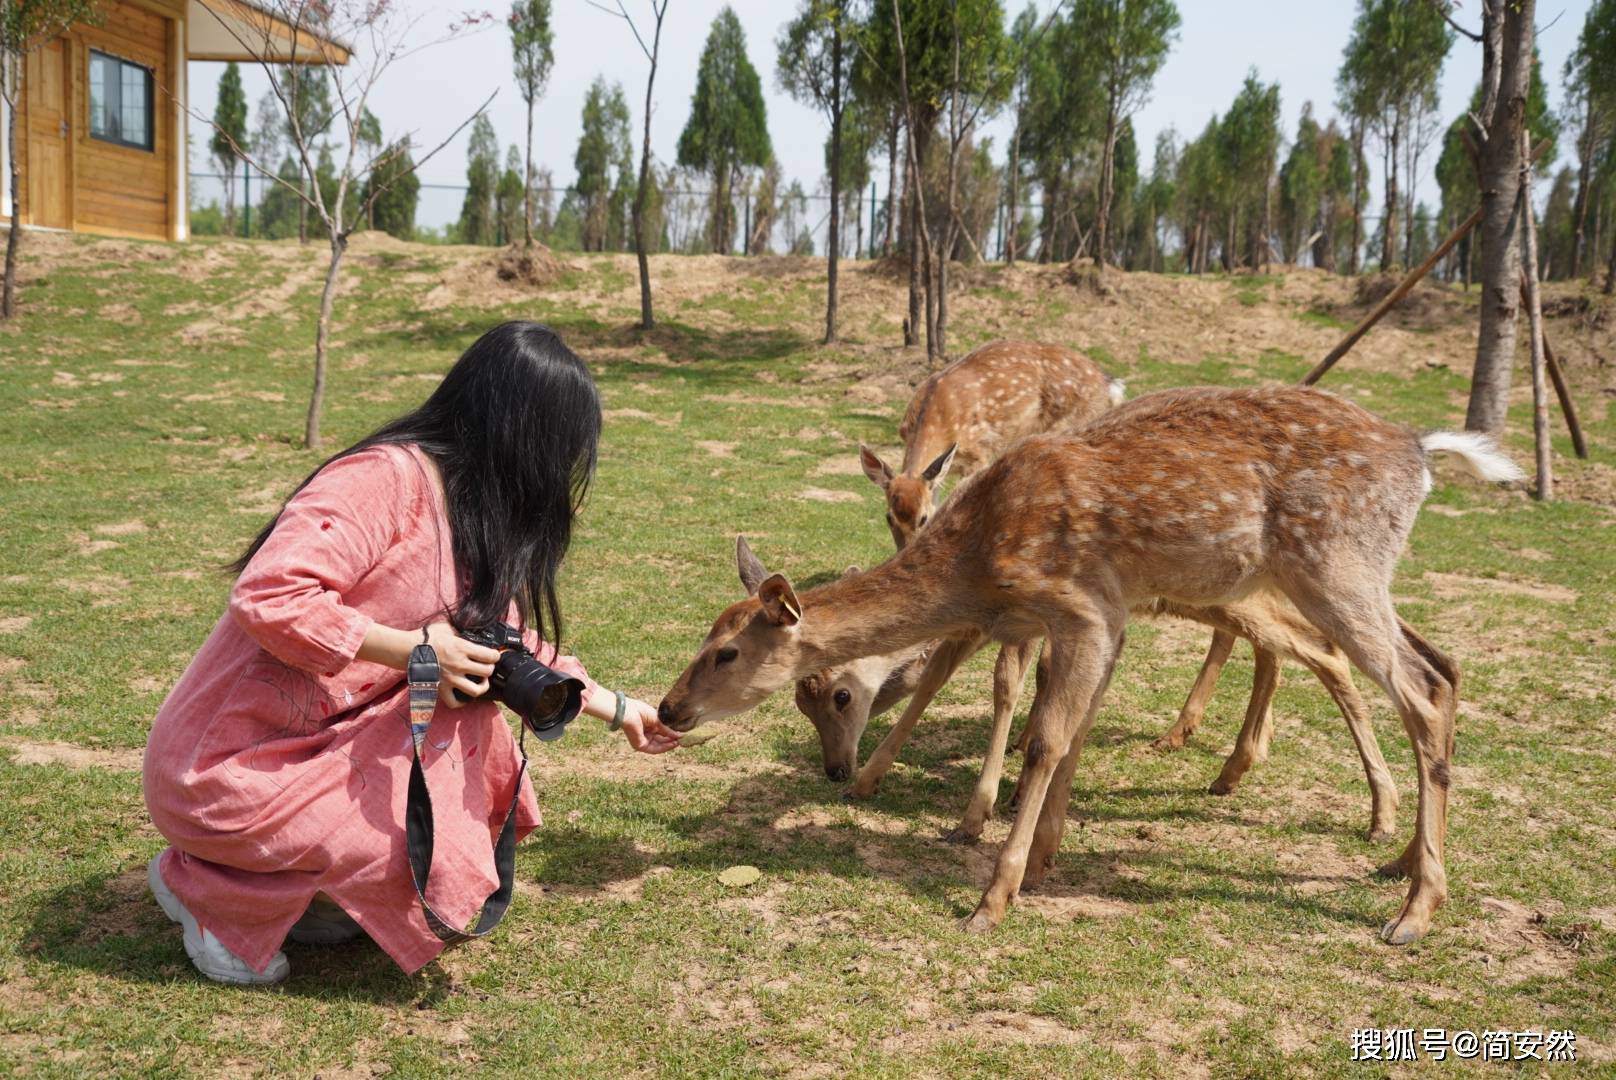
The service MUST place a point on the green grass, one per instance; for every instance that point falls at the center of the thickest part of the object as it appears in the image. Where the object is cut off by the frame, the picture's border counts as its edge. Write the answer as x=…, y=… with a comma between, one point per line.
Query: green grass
x=1181, y=934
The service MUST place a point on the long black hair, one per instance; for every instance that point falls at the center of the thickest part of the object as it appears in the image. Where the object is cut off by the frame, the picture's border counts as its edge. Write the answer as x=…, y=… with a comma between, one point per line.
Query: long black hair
x=513, y=429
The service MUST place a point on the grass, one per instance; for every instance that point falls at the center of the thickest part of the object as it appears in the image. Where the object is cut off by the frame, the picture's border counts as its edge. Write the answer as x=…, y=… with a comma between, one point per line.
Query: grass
x=1181, y=934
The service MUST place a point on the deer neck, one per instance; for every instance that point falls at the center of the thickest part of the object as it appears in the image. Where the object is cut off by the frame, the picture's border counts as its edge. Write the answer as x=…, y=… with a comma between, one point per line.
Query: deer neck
x=911, y=599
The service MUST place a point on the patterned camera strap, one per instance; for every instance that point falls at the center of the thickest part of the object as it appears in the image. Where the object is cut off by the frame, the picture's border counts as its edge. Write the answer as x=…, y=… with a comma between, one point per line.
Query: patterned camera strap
x=418, y=829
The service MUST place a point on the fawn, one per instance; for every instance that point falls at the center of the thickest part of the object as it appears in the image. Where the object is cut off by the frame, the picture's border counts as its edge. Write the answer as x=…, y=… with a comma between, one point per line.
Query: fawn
x=1201, y=496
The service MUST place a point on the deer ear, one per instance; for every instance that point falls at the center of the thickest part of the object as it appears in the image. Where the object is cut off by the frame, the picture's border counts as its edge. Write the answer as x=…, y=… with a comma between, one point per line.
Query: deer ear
x=876, y=469
x=780, y=602
x=752, y=570
x=938, y=469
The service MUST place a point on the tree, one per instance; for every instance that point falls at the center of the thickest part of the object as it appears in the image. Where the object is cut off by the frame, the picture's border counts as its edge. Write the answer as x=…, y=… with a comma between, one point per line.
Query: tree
x=387, y=30
x=1246, y=148
x=814, y=65
x=603, y=149
x=644, y=191
x=1301, y=186
x=1130, y=40
x=391, y=191
x=230, y=131
x=509, y=200
x=533, y=56
x=1499, y=182
x=477, y=221
x=1388, y=73
x=25, y=26
x=1022, y=33
x=728, y=126
x=1554, y=238
x=306, y=95
x=1590, y=82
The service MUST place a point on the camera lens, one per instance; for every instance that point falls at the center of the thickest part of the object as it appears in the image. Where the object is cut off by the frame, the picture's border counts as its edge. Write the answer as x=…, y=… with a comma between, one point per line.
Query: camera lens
x=531, y=690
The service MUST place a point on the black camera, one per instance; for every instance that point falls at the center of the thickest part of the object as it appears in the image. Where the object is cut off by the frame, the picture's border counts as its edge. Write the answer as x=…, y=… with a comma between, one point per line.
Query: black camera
x=545, y=699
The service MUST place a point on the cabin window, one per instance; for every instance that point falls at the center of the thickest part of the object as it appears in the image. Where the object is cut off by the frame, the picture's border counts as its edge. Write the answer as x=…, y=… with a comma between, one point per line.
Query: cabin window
x=120, y=101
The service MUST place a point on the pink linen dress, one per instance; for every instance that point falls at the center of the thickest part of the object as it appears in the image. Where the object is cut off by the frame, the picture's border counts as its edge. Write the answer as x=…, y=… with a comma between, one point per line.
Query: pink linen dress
x=278, y=766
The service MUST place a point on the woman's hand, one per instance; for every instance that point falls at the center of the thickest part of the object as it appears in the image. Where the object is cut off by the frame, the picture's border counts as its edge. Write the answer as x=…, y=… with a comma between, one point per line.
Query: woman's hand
x=644, y=731
x=462, y=665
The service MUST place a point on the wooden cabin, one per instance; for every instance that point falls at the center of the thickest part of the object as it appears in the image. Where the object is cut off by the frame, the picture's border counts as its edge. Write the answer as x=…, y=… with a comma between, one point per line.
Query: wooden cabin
x=102, y=120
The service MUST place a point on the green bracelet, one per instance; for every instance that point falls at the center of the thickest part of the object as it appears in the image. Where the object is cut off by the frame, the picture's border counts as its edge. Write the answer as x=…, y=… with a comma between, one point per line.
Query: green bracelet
x=617, y=717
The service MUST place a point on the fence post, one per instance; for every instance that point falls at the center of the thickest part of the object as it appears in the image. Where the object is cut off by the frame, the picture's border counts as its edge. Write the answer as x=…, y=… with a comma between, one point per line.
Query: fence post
x=872, y=219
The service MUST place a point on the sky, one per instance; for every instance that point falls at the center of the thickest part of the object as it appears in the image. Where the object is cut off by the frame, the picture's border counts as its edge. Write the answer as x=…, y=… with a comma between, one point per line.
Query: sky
x=428, y=94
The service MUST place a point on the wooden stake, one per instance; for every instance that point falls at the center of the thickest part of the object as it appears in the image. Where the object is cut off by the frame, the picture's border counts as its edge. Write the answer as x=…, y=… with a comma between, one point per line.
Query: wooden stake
x=1534, y=315
x=1568, y=407
x=1409, y=281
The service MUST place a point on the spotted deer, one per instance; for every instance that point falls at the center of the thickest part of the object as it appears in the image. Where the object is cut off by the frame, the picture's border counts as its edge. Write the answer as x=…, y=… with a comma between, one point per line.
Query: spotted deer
x=977, y=406
x=841, y=700
x=1202, y=497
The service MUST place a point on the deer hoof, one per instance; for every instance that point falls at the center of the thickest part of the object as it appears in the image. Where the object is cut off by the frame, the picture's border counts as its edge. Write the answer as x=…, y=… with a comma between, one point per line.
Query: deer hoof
x=980, y=922
x=1381, y=834
x=1220, y=786
x=963, y=834
x=1403, y=930
x=853, y=794
x=1392, y=871
x=1168, y=742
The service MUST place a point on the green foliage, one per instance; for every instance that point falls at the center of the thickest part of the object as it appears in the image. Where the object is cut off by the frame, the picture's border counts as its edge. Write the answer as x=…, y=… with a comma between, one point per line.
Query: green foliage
x=532, y=47
x=1554, y=235
x=509, y=200
x=604, y=151
x=1128, y=41
x=229, y=120
x=307, y=91
x=396, y=188
x=278, y=216
x=478, y=224
x=930, y=28
x=1301, y=184
x=1394, y=57
x=728, y=125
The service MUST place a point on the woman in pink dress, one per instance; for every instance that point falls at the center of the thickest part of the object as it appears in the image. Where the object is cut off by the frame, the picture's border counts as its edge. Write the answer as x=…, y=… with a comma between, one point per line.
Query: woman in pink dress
x=279, y=768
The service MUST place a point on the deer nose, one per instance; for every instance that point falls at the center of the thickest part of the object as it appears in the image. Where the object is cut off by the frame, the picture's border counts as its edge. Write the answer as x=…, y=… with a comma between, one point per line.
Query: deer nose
x=664, y=714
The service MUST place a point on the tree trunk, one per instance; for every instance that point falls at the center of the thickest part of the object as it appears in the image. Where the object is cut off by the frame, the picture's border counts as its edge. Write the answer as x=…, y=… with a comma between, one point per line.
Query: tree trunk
x=322, y=338
x=1102, y=222
x=721, y=199
x=1610, y=270
x=835, y=183
x=1013, y=195
x=8, y=297
x=527, y=184
x=1534, y=316
x=303, y=212
x=1358, y=172
x=1500, y=227
x=1579, y=211
x=643, y=189
x=1388, y=245
x=911, y=181
x=892, y=185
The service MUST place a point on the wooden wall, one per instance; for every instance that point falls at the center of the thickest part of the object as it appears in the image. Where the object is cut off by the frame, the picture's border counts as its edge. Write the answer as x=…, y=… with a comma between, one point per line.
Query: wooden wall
x=117, y=189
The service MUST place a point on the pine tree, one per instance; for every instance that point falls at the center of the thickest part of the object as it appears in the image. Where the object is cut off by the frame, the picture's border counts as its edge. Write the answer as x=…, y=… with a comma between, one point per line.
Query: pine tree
x=603, y=151
x=728, y=126
x=477, y=222
x=391, y=190
x=229, y=136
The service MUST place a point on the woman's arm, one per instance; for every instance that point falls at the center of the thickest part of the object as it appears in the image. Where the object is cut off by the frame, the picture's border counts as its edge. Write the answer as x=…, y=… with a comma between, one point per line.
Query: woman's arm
x=457, y=657
x=640, y=724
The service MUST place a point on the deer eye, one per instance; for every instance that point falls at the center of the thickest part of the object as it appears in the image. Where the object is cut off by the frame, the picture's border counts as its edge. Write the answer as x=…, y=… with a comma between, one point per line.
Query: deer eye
x=922, y=522
x=726, y=654
x=842, y=697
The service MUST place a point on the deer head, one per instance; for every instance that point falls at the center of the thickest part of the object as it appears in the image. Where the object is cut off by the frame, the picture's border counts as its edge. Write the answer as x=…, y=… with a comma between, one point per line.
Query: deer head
x=752, y=650
x=911, y=499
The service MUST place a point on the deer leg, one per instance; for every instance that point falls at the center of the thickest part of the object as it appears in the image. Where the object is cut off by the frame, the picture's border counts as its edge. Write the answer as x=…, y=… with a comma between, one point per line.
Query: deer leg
x=1189, y=717
x=1422, y=685
x=1251, y=746
x=1040, y=675
x=1051, y=826
x=1081, y=656
x=939, y=669
x=1008, y=673
x=1331, y=669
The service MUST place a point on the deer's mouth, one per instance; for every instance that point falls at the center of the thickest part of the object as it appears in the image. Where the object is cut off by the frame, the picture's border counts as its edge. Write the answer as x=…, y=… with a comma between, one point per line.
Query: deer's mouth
x=674, y=719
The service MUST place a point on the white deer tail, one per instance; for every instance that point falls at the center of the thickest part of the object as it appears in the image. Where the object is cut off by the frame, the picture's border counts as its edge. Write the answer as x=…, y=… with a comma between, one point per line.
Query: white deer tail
x=1478, y=452
x=1116, y=390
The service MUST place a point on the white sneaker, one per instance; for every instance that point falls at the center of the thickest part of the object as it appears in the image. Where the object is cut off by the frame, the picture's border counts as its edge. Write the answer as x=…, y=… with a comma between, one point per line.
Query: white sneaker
x=207, y=952
x=325, y=923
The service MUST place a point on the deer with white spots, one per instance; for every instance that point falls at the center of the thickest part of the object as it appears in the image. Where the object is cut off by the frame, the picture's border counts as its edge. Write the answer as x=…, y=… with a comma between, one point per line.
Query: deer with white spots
x=1199, y=496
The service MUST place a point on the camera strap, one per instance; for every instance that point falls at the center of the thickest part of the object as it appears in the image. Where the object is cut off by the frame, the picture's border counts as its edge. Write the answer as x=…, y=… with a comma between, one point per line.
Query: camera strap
x=423, y=675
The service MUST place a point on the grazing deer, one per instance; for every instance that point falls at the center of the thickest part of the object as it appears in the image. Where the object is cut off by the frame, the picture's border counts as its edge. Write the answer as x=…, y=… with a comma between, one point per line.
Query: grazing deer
x=1202, y=496
x=841, y=700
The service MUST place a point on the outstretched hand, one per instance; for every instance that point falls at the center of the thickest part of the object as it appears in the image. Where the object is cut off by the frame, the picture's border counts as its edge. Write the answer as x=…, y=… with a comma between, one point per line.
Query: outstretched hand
x=644, y=731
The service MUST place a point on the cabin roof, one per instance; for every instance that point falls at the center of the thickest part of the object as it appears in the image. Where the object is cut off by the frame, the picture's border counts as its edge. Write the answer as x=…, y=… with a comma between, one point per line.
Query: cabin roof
x=251, y=31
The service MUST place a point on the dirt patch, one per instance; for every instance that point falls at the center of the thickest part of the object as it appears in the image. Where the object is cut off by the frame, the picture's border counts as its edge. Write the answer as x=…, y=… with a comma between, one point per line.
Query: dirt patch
x=10, y=665
x=71, y=755
x=624, y=889
x=477, y=277
x=1462, y=586
x=717, y=449
x=15, y=624
x=1515, y=945
x=1057, y=906
x=841, y=465
x=122, y=528
x=131, y=911
x=148, y=684
x=816, y=494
